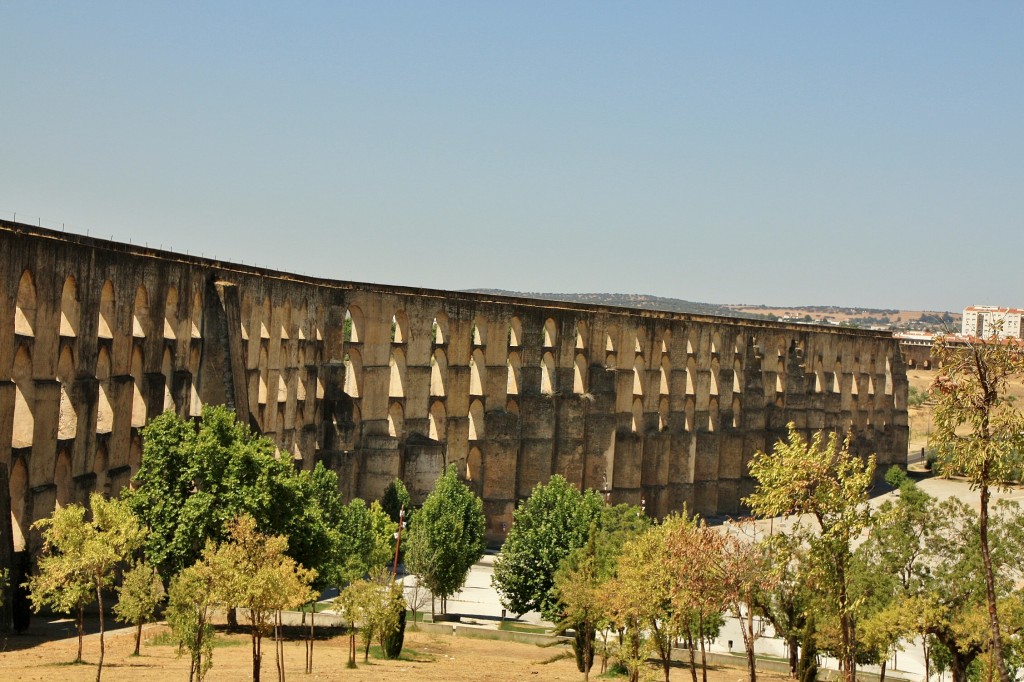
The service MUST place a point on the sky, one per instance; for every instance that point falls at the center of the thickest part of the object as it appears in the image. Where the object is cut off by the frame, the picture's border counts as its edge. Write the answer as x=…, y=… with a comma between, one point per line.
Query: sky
x=786, y=153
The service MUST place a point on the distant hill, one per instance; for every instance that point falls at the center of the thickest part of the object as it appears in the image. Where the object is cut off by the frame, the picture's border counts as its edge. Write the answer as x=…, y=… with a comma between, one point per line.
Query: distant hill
x=877, y=318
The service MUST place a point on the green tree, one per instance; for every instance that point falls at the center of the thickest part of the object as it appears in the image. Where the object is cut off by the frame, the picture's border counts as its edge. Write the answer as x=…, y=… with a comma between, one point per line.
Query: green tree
x=448, y=536
x=86, y=552
x=367, y=539
x=823, y=480
x=192, y=597
x=979, y=434
x=550, y=524
x=193, y=481
x=581, y=575
x=253, y=571
x=396, y=498
x=139, y=594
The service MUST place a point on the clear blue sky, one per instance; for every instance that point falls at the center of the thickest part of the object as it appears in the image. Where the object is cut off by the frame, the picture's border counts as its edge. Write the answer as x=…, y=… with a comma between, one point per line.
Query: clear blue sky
x=861, y=153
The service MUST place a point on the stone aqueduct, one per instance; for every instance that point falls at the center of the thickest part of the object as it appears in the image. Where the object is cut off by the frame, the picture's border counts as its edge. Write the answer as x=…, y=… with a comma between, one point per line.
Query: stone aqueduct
x=376, y=381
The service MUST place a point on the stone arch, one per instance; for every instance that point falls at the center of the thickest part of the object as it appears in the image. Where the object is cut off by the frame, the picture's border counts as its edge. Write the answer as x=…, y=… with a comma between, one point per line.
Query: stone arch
x=780, y=381
x=282, y=390
x=819, y=377
x=396, y=419
x=888, y=375
x=837, y=378
x=195, y=403
x=400, y=327
x=353, y=331
x=104, y=412
x=512, y=406
x=691, y=376
x=476, y=420
x=197, y=314
x=713, y=382
x=638, y=376
x=171, y=314
x=266, y=311
x=247, y=317
x=353, y=373
x=69, y=308
x=167, y=369
x=692, y=343
x=285, y=320
x=664, y=372
x=25, y=306
x=439, y=329
x=637, y=418
x=581, y=335
x=736, y=412
x=262, y=370
x=138, y=411
x=476, y=372
x=478, y=333
x=547, y=373
x=716, y=343
x=396, y=369
x=609, y=348
x=515, y=374
x=473, y=461
x=19, y=491
x=713, y=413
x=579, y=374
x=24, y=400
x=663, y=409
x=62, y=479
x=140, y=313
x=67, y=419
x=689, y=412
x=437, y=422
x=639, y=341
x=515, y=333
x=737, y=374
x=100, y=465
x=107, y=313
x=438, y=373
x=550, y=334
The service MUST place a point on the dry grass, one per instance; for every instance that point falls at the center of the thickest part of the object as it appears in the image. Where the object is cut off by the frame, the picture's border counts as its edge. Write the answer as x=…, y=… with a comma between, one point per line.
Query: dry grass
x=426, y=657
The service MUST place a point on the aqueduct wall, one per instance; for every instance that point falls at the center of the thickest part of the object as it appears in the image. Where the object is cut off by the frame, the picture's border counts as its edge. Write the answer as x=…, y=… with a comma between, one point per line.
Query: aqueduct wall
x=96, y=337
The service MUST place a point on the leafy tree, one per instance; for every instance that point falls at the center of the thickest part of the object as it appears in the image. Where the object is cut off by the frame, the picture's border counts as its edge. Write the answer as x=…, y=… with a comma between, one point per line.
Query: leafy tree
x=821, y=479
x=86, y=553
x=749, y=575
x=550, y=524
x=788, y=603
x=192, y=482
x=139, y=594
x=448, y=536
x=253, y=571
x=192, y=598
x=980, y=434
x=580, y=576
x=396, y=498
x=367, y=539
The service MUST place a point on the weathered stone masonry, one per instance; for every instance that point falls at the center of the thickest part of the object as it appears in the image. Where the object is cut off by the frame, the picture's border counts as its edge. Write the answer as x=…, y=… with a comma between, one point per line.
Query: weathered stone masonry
x=96, y=337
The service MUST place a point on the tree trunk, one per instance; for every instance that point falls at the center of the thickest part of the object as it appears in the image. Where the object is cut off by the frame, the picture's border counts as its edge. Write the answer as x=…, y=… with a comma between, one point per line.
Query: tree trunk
x=703, y=655
x=995, y=638
x=278, y=647
x=693, y=655
x=81, y=632
x=257, y=654
x=99, y=600
x=881, y=676
x=312, y=638
x=138, y=637
x=793, y=644
x=232, y=617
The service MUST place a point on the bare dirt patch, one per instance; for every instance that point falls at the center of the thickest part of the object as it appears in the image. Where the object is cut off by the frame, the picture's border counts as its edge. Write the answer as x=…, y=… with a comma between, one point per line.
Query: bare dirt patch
x=426, y=657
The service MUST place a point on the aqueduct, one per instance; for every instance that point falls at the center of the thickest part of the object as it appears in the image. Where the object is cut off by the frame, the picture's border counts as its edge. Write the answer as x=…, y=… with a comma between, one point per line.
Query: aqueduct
x=377, y=381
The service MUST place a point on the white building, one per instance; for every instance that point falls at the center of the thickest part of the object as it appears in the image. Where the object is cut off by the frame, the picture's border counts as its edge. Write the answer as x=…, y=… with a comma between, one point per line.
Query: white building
x=982, y=321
